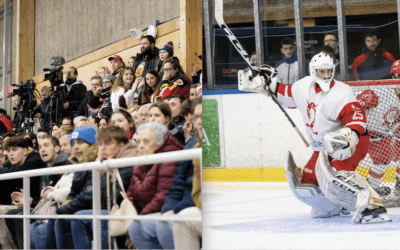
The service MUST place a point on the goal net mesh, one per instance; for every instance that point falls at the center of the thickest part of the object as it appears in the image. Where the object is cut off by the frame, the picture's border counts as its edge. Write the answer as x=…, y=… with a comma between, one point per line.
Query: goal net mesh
x=380, y=100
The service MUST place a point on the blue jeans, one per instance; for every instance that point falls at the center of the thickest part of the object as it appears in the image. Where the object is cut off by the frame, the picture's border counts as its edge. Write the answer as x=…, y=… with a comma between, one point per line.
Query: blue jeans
x=150, y=234
x=82, y=231
x=42, y=235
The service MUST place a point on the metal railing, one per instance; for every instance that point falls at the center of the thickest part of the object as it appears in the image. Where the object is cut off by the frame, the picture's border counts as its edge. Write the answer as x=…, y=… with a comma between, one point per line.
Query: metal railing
x=96, y=167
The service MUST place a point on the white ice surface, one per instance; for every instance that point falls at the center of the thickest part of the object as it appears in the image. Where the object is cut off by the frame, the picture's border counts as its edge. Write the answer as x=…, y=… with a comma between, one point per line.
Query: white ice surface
x=268, y=216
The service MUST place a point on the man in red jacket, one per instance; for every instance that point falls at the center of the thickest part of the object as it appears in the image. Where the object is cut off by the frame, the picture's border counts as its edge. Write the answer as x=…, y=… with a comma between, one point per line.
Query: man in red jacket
x=6, y=124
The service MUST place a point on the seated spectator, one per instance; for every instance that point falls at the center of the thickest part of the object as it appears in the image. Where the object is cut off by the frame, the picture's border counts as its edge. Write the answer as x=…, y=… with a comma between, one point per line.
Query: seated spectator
x=165, y=53
x=103, y=71
x=117, y=64
x=101, y=99
x=158, y=234
x=84, y=108
x=121, y=118
x=160, y=112
x=6, y=125
x=196, y=74
x=42, y=132
x=144, y=113
x=123, y=90
x=113, y=144
x=82, y=122
x=187, y=112
x=64, y=143
x=103, y=123
x=187, y=234
x=49, y=150
x=56, y=131
x=148, y=58
x=66, y=130
x=374, y=63
x=150, y=87
x=174, y=81
x=2, y=158
x=135, y=117
x=33, y=137
x=193, y=91
x=288, y=67
x=149, y=184
x=71, y=93
x=131, y=60
x=175, y=104
x=67, y=121
x=84, y=149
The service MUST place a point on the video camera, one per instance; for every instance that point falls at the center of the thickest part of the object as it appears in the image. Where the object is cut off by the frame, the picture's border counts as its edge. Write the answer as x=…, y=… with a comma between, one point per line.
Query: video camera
x=56, y=75
x=26, y=95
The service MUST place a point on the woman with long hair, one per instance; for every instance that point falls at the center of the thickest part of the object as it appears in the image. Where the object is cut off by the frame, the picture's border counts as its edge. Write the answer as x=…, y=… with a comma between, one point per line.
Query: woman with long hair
x=123, y=89
x=121, y=118
x=151, y=86
x=174, y=81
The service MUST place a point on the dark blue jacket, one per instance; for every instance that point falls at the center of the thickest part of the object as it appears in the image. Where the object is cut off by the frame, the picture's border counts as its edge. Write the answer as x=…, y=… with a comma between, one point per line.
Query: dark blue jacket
x=179, y=195
x=81, y=194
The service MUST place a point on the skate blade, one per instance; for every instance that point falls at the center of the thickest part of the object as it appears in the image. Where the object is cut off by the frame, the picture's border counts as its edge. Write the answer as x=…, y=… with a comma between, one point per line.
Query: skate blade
x=379, y=219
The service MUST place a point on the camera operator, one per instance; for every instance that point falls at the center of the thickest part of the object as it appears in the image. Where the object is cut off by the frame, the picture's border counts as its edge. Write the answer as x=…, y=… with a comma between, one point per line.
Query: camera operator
x=72, y=92
x=44, y=109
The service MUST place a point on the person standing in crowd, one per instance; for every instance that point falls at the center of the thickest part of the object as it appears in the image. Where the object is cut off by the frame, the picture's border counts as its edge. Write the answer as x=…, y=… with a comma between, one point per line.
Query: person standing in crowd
x=72, y=92
x=117, y=64
x=123, y=90
x=84, y=108
x=148, y=58
x=44, y=109
x=331, y=39
x=175, y=104
x=121, y=118
x=375, y=62
x=131, y=60
x=165, y=53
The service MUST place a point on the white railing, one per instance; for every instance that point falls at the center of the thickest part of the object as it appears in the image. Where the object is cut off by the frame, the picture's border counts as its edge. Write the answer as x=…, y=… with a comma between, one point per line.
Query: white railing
x=96, y=167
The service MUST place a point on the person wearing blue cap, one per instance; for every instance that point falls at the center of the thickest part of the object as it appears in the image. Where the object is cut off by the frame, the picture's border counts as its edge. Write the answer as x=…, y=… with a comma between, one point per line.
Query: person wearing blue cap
x=80, y=196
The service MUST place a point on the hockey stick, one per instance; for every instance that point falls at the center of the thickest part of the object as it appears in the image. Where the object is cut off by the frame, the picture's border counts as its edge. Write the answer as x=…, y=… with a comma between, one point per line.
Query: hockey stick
x=220, y=20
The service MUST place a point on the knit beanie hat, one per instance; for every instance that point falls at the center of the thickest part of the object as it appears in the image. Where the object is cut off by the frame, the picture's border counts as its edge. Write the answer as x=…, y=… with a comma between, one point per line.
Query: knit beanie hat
x=85, y=133
x=108, y=77
x=169, y=47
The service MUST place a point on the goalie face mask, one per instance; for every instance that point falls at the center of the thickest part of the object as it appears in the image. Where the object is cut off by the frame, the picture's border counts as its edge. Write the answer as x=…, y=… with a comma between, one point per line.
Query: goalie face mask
x=322, y=70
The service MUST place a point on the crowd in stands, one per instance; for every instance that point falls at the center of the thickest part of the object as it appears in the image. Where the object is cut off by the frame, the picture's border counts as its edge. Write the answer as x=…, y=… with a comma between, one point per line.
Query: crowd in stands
x=146, y=106
x=374, y=62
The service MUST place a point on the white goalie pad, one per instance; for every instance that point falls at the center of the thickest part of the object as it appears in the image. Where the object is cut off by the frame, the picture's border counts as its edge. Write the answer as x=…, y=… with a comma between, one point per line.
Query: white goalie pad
x=309, y=194
x=348, y=189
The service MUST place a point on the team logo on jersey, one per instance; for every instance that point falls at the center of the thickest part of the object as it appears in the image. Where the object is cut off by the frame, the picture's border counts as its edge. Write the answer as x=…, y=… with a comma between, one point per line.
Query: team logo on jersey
x=311, y=112
x=178, y=82
x=391, y=116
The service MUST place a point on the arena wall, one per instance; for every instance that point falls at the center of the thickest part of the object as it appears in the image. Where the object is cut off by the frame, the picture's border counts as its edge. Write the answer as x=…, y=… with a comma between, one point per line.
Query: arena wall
x=254, y=138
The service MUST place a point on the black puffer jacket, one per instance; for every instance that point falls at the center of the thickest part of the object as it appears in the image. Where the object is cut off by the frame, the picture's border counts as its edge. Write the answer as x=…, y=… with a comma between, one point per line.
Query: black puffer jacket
x=74, y=97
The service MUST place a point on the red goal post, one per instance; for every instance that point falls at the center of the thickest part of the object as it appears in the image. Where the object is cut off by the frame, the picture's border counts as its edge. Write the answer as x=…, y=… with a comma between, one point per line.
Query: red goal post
x=381, y=102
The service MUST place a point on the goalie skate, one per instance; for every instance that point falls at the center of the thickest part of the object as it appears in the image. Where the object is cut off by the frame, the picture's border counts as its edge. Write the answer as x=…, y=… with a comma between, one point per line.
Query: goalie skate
x=375, y=216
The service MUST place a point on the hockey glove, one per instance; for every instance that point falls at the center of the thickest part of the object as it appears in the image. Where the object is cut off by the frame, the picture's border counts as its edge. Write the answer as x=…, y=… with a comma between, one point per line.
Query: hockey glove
x=261, y=82
x=341, y=144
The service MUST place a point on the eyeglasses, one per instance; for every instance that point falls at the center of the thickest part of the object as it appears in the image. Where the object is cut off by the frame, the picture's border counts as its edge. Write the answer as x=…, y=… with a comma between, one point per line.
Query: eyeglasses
x=168, y=69
x=195, y=117
x=330, y=41
x=106, y=82
x=144, y=115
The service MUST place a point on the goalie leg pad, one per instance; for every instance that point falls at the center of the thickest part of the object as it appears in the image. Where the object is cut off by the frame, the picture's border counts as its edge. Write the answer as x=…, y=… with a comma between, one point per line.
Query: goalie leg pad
x=346, y=188
x=309, y=194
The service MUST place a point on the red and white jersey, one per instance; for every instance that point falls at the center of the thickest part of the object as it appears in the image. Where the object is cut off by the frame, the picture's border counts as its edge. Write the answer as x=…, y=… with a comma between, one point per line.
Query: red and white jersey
x=323, y=112
x=382, y=107
x=117, y=92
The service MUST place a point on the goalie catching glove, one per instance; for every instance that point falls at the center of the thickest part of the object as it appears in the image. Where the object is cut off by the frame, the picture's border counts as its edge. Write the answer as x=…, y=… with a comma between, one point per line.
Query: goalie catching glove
x=341, y=144
x=266, y=78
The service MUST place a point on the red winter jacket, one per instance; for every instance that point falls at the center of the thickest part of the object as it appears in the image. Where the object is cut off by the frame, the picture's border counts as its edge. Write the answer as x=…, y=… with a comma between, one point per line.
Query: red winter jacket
x=150, y=184
x=6, y=120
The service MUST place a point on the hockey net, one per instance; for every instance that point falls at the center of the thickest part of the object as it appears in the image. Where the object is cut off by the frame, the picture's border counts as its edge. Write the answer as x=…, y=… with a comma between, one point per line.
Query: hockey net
x=381, y=101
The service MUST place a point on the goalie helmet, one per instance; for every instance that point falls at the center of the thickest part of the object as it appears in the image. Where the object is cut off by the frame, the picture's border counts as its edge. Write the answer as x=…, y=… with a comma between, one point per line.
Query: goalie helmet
x=320, y=62
x=396, y=69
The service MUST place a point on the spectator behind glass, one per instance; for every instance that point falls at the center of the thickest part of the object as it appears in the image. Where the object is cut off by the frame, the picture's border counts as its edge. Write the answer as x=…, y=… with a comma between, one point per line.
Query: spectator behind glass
x=174, y=81
x=187, y=234
x=84, y=108
x=85, y=150
x=144, y=113
x=113, y=144
x=331, y=39
x=64, y=143
x=374, y=63
x=123, y=90
x=160, y=112
x=253, y=57
x=327, y=50
x=6, y=125
x=44, y=111
x=72, y=92
x=121, y=118
x=131, y=60
x=288, y=67
x=175, y=104
x=148, y=58
x=116, y=64
x=150, y=87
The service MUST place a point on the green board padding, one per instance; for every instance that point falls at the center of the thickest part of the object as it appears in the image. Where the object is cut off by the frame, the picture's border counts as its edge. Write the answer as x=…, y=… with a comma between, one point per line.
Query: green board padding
x=211, y=137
